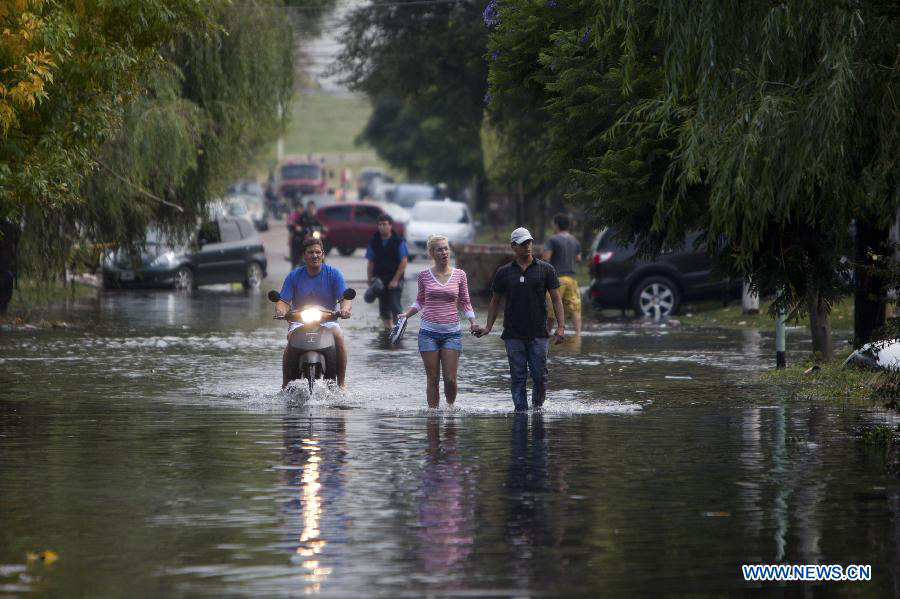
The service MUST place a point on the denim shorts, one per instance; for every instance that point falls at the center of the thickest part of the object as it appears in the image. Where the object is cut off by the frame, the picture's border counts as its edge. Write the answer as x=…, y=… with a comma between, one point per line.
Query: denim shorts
x=434, y=341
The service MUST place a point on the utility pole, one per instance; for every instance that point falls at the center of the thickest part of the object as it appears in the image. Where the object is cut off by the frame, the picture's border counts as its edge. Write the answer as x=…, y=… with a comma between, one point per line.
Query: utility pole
x=780, y=355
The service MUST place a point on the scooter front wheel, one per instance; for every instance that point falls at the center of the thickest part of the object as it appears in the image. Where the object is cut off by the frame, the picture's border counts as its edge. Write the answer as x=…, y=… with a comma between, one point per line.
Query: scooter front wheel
x=311, y=376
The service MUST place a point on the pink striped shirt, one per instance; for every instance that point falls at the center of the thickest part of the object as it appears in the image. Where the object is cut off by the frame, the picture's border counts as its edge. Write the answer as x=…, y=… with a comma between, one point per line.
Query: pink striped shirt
x=440, y=303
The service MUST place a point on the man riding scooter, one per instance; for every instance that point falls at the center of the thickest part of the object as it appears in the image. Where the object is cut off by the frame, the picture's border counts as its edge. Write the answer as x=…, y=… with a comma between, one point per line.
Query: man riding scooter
x=315, y=283
x=301, y=226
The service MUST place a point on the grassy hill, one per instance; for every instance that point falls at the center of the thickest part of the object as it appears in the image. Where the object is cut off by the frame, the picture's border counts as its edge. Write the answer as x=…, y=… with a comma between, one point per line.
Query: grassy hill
x=325, y=125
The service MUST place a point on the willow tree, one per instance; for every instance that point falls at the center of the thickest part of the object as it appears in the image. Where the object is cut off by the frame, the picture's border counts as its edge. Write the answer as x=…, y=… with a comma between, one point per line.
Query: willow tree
x=67, y=70
x=145, y=111
x=199, y=120
x=788, y=112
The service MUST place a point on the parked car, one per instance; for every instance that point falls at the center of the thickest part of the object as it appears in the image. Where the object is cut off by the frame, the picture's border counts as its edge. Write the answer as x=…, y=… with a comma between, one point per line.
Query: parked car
x=382, y=190
x=224, y=250
x=351, y=225
x=652, y=288
x=258, y=212
x=408, y=194
x=235, y=206
x=253, y=196
x=367, y=178
x=443, y=217
x=296, y=177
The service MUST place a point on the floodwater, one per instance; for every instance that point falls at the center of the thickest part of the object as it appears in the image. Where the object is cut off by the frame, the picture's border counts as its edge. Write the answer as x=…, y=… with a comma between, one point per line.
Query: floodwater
x=151, y=450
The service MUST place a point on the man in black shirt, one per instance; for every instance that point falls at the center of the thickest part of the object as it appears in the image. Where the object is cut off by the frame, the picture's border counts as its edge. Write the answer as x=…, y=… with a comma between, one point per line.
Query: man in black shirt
x=524, y=283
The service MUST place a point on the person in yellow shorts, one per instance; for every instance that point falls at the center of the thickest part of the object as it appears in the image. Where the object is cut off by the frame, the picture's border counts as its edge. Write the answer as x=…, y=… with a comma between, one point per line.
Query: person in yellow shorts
x=563, y=252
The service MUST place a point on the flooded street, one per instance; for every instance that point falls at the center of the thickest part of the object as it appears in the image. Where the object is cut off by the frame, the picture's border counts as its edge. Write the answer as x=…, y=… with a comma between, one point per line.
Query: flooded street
x=151, y=449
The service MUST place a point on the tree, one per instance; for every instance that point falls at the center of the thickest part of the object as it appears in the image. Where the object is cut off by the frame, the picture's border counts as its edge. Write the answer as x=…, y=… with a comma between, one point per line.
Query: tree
x=200, y=102
x=769, y=127
x=422, y=66
x=788, y=113
x=67, y=69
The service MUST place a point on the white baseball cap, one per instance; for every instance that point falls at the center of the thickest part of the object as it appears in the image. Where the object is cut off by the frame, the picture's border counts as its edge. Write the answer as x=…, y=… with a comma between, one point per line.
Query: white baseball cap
x=519, y=235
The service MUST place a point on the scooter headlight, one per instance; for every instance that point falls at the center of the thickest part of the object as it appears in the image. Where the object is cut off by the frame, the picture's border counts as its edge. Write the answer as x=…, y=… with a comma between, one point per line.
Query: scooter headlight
x=310, y=316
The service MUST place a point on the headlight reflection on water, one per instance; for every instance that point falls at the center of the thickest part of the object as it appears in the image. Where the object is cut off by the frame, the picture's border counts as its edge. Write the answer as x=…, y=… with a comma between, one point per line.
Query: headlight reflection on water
x=311, y=543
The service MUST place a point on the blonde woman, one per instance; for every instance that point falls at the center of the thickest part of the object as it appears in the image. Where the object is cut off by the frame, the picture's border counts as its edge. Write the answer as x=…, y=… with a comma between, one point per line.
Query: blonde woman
x=443, y=291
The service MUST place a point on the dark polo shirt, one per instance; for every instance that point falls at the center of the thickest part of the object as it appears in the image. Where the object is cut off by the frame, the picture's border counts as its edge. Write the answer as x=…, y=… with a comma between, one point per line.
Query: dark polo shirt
x=525, y=314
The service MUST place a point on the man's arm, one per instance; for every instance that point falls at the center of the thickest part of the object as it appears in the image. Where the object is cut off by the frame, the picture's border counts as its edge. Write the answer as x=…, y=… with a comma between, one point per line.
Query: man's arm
x=399, y=274
x=370, y=273
x=492, y=310
x=346, y=307
x=556, y=298
x=548, y=251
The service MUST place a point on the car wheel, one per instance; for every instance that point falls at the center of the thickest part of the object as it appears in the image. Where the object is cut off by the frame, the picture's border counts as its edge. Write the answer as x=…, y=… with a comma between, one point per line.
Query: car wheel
x=184, y=279
x=410, y=258
x=254, y=277
x=345, y=250
x=326, y=249
x=655, y=297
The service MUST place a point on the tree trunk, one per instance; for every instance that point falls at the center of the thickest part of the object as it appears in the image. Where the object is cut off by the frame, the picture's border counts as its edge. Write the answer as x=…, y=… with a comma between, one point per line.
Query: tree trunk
x=820, y=324
x=541, y=224
x=9, y=244
x=870, y=294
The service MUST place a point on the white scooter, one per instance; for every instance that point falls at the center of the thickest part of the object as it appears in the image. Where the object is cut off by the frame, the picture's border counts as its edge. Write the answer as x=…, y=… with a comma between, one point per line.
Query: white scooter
x=318, y=357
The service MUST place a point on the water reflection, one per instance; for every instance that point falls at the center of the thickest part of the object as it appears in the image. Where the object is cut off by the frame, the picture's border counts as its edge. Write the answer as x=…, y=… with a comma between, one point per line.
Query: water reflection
x=527, y=529
x=313, y=474
x=445, y=510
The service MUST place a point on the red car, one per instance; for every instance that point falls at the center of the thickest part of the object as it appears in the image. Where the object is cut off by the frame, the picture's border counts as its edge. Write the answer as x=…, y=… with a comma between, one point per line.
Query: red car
x=351, y=225
x=298, y=177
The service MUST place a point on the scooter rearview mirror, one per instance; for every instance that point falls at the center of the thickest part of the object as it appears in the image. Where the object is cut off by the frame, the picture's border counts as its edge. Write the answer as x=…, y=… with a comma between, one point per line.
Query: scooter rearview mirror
x=273, y=296
x=349, y=293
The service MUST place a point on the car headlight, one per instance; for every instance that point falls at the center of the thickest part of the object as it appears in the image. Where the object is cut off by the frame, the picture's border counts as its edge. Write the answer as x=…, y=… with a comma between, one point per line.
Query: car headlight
x=164, y=259
x=311, y=315
x=316, y=235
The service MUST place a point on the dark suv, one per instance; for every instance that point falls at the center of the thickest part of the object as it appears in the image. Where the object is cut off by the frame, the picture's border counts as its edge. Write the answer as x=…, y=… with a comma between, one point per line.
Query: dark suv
x=652, y=288
x=224, y=250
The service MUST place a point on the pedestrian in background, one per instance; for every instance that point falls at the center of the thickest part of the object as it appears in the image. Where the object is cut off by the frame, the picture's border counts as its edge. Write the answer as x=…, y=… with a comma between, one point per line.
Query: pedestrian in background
x=387, y=255
x=443, y=291
x=563, y=252
x=523, y=283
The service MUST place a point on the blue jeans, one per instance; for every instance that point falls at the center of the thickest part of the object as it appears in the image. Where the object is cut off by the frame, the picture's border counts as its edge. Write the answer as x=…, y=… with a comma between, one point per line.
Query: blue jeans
x=528, y=355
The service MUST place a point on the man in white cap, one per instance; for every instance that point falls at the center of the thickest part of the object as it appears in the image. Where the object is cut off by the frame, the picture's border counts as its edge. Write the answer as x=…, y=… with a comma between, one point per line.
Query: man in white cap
x=524, y=283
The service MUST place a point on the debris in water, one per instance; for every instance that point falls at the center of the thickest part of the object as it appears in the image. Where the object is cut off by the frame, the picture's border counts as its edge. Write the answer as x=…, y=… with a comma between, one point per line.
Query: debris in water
x=679, y=378
x=47, y=556
x=716, y=514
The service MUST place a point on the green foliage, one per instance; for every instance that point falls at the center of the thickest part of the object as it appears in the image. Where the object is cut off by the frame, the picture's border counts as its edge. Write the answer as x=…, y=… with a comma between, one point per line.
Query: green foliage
x=880, y=436
x=423, y=69
x=785, y=112
x=96, y=53
x=202, y=109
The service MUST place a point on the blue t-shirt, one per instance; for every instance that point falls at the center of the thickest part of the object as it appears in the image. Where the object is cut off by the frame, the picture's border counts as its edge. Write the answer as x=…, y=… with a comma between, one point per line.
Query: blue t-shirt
x=402, y=250
x=324, y=289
